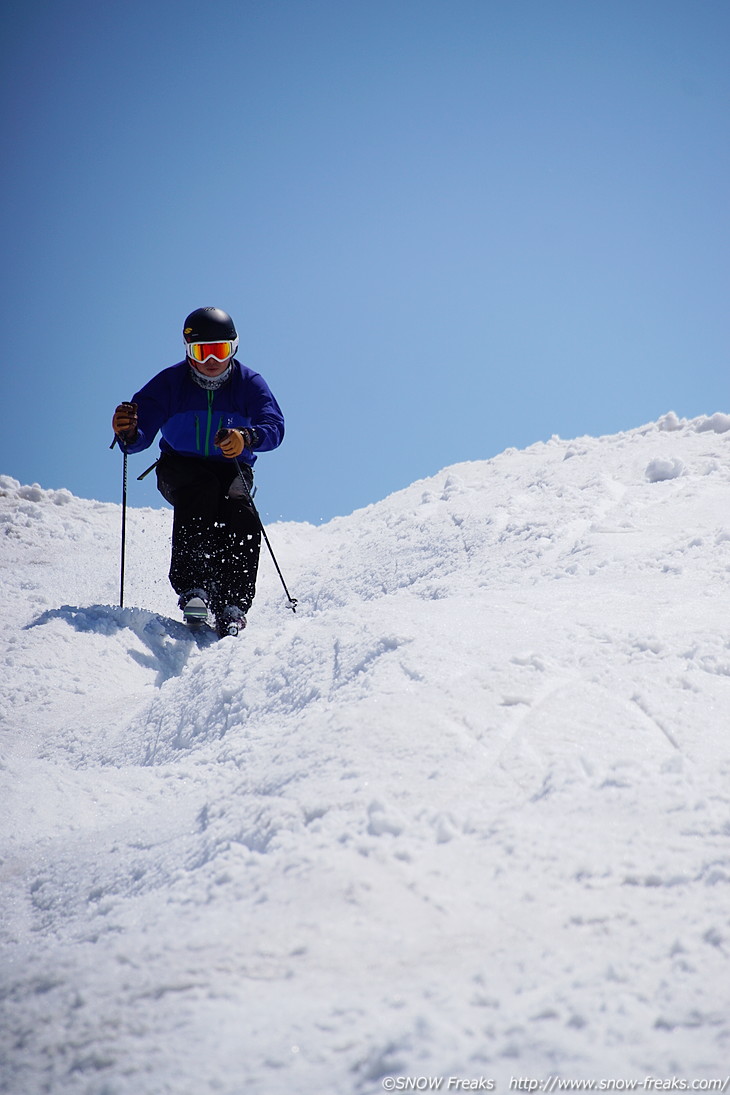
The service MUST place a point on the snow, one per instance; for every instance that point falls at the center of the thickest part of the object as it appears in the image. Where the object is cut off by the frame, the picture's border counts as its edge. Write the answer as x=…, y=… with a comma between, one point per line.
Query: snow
x=466, y=814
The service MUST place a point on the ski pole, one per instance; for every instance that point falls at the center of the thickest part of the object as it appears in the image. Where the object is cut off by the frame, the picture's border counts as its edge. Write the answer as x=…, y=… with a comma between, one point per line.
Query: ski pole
x=147, y=471
x=118, y=441
x=124, y=528
x=292, y=600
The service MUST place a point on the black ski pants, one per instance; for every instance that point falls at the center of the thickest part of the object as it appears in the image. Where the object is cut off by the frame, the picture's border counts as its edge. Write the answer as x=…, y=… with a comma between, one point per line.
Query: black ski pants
x=216, y=538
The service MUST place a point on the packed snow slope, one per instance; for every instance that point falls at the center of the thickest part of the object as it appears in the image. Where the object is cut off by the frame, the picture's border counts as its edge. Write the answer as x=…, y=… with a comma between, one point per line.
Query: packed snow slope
x=465, y=815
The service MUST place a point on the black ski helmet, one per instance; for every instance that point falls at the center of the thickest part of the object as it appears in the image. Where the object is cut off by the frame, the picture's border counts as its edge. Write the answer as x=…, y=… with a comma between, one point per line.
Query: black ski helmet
x=209, y=325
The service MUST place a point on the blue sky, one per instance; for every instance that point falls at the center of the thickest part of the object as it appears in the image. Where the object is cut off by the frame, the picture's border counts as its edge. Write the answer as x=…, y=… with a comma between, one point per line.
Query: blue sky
x=443, y=227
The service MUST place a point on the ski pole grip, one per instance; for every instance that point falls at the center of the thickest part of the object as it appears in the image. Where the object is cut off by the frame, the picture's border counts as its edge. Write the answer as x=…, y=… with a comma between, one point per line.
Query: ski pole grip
x=132, y=408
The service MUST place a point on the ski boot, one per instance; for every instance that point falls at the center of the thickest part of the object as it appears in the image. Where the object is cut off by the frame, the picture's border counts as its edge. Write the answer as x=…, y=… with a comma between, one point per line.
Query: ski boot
x=230, y=621
x=194, y=605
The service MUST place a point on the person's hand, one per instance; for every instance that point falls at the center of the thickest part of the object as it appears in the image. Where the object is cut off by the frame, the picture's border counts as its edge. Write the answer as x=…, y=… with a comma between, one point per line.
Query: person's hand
x=124, y=421
x=230, y=442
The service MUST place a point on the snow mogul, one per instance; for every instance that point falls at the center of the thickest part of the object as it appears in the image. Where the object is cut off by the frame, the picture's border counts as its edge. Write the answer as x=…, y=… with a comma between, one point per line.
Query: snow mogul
x=210, y=411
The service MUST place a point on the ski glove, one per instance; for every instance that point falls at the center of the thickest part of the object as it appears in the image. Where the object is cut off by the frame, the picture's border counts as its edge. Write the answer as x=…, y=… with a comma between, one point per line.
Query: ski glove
x=124, y=421
x=233, y=442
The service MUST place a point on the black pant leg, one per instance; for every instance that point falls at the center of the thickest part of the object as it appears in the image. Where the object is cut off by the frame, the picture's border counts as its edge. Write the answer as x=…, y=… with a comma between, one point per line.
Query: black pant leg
x=195, y=492
x=239, y=548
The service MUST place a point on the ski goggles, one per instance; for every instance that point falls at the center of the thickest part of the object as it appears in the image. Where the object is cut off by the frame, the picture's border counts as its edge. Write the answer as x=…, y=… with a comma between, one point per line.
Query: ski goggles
x=199, y=352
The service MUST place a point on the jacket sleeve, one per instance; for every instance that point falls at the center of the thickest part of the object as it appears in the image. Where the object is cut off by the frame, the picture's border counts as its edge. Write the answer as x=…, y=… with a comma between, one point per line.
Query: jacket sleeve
x=265, y=414
x=153, y=403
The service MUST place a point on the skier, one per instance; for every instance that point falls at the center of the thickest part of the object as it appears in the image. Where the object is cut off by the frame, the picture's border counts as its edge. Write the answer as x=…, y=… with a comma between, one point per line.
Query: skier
x=210, y=409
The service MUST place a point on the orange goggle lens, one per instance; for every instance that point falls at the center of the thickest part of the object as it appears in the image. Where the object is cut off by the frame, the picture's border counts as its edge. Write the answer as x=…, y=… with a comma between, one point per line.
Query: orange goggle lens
x=201, y=351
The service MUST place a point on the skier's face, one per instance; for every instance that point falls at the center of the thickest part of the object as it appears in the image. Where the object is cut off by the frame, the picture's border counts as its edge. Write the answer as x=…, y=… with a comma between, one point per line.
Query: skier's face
x=211, y=367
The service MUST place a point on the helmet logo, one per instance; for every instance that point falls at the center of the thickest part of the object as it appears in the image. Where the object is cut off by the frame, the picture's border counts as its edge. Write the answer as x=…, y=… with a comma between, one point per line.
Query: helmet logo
x=187, y=331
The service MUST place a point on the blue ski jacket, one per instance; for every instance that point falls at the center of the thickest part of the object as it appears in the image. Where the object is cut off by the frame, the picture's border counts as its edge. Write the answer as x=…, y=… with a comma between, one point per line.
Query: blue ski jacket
x=188, y=416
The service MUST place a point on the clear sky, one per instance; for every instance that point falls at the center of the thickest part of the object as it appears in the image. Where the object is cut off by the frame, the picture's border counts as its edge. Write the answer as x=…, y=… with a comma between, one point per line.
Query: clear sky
x=443, y=227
